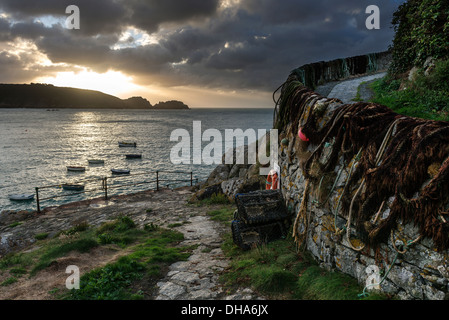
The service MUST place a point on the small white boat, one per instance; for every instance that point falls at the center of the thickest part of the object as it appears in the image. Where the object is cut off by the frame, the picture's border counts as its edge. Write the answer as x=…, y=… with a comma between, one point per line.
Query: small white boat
x=73, y=187
x=120, y=171
x=21, y=197
x=79, y=169
x=127, y=144
x=96, y=161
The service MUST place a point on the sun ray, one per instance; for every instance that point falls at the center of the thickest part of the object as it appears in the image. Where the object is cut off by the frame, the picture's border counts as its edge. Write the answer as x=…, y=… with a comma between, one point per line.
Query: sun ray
x=111, y=82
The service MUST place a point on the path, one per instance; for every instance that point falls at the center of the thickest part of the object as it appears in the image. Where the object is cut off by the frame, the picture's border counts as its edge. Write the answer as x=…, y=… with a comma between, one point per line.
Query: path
x=346, y=90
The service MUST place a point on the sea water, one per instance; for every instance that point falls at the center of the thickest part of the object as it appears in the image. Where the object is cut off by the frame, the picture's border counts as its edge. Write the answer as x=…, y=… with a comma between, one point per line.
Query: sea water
x=37, y=145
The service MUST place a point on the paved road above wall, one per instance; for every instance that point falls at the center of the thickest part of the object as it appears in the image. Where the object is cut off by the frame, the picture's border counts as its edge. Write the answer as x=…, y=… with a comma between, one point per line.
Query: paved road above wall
x=346, y=90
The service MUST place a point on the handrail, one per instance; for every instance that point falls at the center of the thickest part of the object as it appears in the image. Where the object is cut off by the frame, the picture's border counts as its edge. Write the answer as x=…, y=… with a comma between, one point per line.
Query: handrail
x=105, y=187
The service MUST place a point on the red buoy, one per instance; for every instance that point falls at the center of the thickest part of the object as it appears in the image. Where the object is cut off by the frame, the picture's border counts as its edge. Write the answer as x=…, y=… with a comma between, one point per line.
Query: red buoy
x=302, y=136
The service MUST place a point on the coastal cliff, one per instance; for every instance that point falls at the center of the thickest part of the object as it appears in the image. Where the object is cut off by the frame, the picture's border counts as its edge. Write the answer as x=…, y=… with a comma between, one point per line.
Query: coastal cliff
x=37, y=95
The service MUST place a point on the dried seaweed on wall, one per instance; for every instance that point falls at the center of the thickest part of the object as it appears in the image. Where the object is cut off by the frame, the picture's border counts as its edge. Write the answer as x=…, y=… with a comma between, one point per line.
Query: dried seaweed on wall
x=402, y=158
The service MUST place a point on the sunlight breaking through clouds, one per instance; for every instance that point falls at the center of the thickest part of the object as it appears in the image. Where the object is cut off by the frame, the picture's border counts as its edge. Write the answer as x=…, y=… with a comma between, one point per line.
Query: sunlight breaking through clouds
x=110, y=82
x=231, y=45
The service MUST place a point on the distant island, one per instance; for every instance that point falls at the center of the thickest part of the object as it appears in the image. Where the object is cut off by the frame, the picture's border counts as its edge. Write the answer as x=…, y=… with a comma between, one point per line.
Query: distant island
x=173, y=104
x=37, y=95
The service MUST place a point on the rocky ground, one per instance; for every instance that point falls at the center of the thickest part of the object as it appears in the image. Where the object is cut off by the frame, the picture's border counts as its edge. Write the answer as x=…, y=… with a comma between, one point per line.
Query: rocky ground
x=196, y=278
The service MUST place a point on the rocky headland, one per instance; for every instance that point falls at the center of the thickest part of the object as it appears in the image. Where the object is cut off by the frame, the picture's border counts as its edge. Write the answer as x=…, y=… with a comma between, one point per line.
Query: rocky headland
x=38, y=95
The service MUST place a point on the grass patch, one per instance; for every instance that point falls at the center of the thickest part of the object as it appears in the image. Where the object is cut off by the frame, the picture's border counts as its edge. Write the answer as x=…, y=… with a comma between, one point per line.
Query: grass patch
x=151, y=249
x=215, y=198
x=224, y=214
x=8, y=281
x=425, y=97
x=14, y=224
x=358, y=96
x=41, y=236
x=317, y=284
x=276, y=270
x=121, y=232
x=80, y=245
x=147, y=261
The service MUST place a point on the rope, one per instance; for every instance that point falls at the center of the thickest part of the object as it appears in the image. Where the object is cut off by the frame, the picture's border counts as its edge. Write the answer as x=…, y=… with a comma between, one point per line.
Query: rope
x=362, y=184
x=301, y=215
x=356, y=159
x=398, y=252
x=364, y=293
x=409, y=243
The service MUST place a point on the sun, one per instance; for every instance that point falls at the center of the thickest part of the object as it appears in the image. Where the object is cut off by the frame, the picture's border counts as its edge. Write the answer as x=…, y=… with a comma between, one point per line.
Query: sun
x=111, y=82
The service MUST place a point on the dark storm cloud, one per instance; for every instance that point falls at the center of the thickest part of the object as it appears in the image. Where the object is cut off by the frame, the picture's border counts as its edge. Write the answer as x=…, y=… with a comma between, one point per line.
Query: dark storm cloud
x=253, y=44
x=149, y=14
x=98, y=16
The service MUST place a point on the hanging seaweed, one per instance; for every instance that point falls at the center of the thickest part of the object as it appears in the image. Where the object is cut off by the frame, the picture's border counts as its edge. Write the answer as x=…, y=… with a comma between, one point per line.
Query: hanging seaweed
x=401, y=158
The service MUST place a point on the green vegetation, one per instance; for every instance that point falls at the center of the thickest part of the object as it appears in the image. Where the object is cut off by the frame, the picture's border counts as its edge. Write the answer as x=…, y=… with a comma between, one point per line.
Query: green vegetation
x=358, y=97
x=215, y=199
x=425, y=96
x=224, y=214
x=113, y=281
x=421, y=31
x=278, y=271
x=149, y=252
x=57, y=251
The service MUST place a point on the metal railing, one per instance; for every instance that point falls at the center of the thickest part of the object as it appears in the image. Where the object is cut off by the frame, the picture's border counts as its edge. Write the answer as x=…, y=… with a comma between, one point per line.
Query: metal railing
x=105, y=187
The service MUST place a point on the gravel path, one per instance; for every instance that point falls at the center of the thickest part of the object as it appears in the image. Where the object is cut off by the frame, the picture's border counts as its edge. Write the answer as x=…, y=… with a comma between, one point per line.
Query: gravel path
x=346, y=91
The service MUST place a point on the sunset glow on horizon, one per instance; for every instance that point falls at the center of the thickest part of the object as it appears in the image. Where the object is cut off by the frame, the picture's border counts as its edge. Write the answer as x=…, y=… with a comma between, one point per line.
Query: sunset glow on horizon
x=225, y=53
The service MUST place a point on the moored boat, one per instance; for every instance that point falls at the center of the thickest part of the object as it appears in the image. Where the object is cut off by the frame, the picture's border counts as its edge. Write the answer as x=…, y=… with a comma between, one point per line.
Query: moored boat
x=21, y=197
x=73, y=187
x=95, y=161
x=79, y=169
x=127, y=144
x=120, y=171
x=133, y=156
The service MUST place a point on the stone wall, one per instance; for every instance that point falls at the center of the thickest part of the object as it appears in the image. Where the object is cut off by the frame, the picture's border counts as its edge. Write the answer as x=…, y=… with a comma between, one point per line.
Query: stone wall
x=318, y=73
x=352, y=213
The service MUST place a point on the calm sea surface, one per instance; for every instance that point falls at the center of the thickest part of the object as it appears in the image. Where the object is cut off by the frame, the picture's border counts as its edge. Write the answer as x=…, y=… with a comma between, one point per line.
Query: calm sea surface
x=37, y=145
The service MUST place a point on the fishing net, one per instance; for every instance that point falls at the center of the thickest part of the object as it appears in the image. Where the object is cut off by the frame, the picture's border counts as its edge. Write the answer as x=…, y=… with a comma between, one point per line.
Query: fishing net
x=263, y=206
x=261, y=217
x=402, y=162
x=250, y=236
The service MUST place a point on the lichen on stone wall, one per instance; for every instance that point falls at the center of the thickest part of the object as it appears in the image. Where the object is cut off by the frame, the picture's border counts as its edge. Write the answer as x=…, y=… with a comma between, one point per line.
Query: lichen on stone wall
x=369, y=188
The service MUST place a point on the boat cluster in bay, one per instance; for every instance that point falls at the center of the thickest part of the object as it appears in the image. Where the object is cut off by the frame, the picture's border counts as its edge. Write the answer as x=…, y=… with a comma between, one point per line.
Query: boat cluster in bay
x=80, y=187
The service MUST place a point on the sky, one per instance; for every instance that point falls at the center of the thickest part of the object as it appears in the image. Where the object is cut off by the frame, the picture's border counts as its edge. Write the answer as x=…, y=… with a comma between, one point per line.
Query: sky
x=206, y=53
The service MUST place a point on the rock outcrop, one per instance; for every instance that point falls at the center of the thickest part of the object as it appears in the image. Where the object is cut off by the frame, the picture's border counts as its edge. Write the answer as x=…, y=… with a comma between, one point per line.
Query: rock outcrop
x=231, y=179
x=172, y=104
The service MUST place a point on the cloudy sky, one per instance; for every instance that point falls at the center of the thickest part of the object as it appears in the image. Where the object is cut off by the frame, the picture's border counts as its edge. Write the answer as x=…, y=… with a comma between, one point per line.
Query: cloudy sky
x=207, y=53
